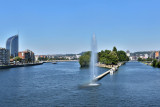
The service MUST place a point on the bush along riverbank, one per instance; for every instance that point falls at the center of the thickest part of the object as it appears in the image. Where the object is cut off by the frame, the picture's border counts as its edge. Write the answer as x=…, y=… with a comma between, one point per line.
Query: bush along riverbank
x=155, y=63
x=106, y=58
x=150, y=61
x=147, y=61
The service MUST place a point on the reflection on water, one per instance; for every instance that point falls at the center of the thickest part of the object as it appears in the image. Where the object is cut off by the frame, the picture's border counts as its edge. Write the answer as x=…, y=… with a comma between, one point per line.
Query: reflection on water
x=62, y=84
x=89, y=85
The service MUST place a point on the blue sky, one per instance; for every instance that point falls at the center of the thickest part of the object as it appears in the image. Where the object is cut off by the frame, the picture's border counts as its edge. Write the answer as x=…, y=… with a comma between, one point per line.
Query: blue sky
x=66, y=26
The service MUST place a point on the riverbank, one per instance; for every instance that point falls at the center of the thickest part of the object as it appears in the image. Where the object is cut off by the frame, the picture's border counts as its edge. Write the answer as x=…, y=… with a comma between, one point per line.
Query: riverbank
x=154, y=63
x=110, y=66
x=147, y=63
x=15, y=66
x=60, y=61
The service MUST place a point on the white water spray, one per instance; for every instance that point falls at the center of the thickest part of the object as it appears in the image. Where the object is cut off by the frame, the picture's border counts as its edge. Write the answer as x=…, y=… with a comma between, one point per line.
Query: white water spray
x=93, y=67
x=93, y=60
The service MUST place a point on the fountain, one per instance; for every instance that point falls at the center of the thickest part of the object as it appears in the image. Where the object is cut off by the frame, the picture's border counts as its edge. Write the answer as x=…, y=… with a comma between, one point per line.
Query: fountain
x=93, y=61
x=93, y=68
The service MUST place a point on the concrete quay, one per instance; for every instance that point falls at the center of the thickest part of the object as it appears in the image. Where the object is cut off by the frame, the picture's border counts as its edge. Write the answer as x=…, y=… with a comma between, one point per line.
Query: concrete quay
x=111, y=71
x=59, y=61
x=23, y=65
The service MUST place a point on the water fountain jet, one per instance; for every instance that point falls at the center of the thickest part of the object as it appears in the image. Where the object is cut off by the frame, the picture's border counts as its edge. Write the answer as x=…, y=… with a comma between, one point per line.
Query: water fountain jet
x=93, y=62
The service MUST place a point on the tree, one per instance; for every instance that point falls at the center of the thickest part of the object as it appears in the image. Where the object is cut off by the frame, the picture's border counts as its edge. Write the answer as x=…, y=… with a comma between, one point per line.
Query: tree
x=107, y=57
x=122, y=56
x=114, y=49
x=113, y=57
x=11, y=57
x=158, y=64
x=149, y=59
x=103, y=57
x=42, y=59
x=140, y=59
x=84, y=60
x=154, y=63
x=18, y=59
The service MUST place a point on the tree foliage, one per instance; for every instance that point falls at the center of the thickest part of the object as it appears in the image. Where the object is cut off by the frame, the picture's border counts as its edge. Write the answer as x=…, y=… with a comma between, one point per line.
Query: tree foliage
x=140, y=59
x=113, y=57
x=18, y=59
x=105, y=57
x=114, y=49
x=122, y=56
x=84, y=60
x=148, y=59
x=11, y=57
x=156, y=63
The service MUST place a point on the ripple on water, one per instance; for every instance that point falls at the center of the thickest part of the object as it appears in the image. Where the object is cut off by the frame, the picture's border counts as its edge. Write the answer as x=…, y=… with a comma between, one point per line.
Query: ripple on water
x=134, y=84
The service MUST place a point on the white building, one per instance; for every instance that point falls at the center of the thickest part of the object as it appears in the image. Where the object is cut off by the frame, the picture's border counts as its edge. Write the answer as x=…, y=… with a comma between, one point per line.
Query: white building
x=78, y=56
x=131, y=58
x=68, y=57
x=141, y=56
x=146, y=56
x=128, y=53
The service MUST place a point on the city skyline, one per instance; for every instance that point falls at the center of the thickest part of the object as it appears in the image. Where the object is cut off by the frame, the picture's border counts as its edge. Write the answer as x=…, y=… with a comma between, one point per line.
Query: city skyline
x=64, y=27
x=79, y=52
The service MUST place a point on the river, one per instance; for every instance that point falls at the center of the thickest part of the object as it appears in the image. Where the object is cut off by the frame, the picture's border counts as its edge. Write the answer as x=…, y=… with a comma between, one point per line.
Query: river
x=48, y=85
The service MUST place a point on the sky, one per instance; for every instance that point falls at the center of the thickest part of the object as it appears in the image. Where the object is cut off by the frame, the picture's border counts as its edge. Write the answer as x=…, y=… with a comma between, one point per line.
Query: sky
x=67, y=26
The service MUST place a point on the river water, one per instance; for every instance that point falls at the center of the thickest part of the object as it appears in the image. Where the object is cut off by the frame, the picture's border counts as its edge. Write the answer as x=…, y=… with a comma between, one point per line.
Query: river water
x=48, y=85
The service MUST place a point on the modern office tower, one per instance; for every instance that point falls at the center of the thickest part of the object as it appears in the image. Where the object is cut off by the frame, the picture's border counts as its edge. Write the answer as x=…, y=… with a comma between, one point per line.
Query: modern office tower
x=12, y=45
x=4, y=56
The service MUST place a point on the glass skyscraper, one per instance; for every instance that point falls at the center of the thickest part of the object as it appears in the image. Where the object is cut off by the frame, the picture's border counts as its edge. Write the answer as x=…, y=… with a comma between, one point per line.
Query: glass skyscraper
x=12, y=45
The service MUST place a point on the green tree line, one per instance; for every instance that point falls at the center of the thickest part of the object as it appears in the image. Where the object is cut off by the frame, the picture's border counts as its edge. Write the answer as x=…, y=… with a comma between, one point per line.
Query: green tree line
x=107, y=57
x=148, y=59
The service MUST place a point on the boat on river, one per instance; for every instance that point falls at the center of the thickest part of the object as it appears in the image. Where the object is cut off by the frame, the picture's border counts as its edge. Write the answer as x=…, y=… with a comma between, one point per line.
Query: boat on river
x=54, y=62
